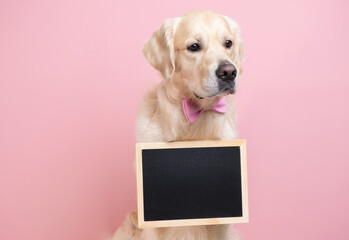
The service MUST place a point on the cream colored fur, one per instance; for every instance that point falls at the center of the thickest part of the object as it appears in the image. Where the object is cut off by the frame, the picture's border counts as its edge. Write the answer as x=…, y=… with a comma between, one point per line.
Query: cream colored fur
x=160, y=117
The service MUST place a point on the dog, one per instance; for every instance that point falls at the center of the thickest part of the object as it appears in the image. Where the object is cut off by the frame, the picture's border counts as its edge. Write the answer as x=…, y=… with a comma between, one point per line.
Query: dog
x=199, y=57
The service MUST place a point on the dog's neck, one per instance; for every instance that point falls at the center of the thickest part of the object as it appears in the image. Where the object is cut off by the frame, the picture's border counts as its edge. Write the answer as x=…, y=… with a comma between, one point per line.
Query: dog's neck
x=205, y=103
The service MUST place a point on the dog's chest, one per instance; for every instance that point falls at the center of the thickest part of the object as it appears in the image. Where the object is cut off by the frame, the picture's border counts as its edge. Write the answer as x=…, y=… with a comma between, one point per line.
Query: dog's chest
x=209, y=125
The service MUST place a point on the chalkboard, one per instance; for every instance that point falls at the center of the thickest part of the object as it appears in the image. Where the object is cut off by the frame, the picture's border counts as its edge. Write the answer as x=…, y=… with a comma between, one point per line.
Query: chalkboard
x=191, y=183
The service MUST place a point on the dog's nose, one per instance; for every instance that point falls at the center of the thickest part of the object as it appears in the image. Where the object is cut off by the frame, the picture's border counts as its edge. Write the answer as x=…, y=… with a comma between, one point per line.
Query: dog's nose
x=226, y=72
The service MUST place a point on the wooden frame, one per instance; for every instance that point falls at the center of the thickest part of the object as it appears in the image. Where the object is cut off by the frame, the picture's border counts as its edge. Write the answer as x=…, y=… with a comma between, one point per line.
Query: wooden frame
x=191, y=222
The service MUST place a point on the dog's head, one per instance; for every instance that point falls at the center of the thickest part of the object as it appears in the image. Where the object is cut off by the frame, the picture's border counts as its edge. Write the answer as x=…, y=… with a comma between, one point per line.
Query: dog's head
x=201, y=50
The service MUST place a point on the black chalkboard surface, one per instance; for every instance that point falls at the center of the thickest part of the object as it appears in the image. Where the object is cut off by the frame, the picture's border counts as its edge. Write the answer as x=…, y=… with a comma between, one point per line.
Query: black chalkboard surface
x=191, y=183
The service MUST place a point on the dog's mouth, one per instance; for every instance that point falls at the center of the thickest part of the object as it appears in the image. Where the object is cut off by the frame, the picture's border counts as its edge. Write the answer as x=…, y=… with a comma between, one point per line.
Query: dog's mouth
x=230, y=91
x=225, y=91
x=227, y=87
x=198, y=96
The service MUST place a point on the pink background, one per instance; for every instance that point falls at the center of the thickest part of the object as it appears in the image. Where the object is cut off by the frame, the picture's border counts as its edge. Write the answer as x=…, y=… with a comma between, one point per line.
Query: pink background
x=72, y=74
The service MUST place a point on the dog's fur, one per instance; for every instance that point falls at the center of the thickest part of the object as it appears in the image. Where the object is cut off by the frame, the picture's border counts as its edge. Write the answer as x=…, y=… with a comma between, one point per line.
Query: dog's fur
x=161, y=118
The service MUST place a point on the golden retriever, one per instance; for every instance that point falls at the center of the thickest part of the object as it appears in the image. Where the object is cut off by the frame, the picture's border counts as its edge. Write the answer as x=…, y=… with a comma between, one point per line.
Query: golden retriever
x=199, y=57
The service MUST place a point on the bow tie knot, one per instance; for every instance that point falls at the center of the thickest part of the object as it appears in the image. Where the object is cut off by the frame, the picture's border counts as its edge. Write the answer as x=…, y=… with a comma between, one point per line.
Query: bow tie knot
x=192, y=111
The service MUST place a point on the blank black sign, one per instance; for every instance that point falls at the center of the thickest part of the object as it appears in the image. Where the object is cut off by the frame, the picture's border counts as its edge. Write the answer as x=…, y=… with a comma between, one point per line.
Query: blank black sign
x=191, y=183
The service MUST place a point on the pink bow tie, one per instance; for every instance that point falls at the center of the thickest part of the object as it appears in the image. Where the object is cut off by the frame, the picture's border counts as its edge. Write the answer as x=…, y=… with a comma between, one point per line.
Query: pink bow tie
x=192, y=111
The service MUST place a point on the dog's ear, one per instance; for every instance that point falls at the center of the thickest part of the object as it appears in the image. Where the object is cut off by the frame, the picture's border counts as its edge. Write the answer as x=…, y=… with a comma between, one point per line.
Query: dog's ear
x=159, y=49
x=237, y=43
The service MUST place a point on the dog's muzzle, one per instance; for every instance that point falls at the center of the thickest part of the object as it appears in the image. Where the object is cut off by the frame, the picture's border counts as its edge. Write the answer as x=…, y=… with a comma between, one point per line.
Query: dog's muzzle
x=226, y=74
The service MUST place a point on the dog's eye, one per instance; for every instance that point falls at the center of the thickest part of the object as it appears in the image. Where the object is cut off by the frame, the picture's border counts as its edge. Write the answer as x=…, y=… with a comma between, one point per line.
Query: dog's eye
x=228, y=43
x=195, y=47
